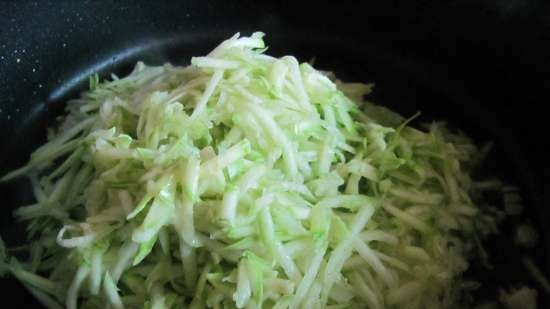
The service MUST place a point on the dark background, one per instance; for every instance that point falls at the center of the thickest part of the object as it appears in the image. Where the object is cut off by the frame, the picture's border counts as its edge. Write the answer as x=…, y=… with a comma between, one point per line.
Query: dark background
x=482, y=65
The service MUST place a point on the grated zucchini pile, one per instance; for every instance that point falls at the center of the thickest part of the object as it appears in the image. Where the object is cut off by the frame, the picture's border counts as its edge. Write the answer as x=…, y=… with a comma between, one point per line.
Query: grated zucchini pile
x=245, y=181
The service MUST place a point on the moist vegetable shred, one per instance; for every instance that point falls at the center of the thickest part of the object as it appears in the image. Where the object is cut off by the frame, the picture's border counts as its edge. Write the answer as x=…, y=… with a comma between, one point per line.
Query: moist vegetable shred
x=246, y=181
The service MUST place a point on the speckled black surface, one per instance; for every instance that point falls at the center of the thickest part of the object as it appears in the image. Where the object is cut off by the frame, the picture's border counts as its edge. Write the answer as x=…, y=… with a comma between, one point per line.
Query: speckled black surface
x=483, y=65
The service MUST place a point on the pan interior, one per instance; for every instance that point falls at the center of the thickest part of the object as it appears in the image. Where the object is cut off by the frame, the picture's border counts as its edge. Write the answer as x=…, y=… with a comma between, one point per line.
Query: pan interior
x=402, y=84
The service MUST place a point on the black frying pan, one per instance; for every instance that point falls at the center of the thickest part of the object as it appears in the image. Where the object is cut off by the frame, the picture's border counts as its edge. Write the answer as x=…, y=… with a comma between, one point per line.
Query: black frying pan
x=481, y=65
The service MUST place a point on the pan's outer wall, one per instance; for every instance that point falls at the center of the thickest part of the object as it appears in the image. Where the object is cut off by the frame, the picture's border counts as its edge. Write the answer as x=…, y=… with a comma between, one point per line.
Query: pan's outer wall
x=491, y=55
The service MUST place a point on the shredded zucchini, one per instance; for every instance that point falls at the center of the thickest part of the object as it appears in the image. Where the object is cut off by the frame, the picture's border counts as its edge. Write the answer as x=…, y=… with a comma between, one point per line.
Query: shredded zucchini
x=245, y=181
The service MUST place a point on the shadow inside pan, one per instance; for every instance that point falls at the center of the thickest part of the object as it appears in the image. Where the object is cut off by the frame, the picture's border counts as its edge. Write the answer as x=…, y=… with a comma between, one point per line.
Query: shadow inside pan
x=401, y=84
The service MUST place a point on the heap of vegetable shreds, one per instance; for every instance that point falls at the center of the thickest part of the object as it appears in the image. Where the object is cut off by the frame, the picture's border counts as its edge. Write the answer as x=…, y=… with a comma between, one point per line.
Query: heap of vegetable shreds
x=245, y=181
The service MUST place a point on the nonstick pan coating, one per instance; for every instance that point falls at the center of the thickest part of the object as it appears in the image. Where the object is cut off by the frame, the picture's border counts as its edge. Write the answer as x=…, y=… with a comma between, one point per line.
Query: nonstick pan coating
x=478, y=65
